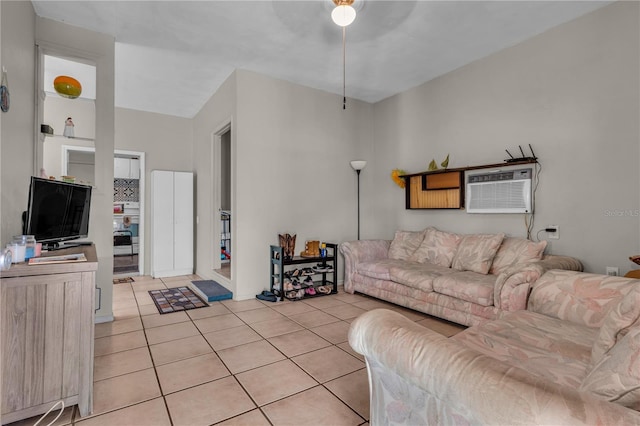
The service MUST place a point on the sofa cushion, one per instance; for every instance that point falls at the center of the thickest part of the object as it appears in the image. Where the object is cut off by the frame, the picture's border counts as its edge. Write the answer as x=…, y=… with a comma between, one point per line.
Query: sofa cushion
x=476, y=252
x=579, y=297
x=417, y=275
x=516, y=251
x=547, y=347
x=438, y=247
x=404, y=244
x=616, y=376
x=617, y=322
x=378, y=269
x=468, y=286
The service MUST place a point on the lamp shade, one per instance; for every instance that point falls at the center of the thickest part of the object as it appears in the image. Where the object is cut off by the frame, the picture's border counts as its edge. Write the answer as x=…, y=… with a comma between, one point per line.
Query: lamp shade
x=343, y=15
x=67, y=87
x=358, y=164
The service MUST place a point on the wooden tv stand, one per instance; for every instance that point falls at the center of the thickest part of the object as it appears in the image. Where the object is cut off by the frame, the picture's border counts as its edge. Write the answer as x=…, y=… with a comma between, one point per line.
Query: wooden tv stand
x=47, y=335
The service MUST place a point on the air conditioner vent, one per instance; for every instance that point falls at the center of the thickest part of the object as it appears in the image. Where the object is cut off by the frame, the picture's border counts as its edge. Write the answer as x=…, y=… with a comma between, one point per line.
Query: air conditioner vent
x=499, y=192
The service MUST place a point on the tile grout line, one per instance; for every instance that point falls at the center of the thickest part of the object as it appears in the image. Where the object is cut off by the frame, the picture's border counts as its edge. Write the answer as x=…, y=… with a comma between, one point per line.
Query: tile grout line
x=288, y=317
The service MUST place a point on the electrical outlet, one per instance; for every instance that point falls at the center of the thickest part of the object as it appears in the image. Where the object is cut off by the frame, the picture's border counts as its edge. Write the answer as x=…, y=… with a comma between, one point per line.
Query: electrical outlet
x=612, y=270
x=553, y=232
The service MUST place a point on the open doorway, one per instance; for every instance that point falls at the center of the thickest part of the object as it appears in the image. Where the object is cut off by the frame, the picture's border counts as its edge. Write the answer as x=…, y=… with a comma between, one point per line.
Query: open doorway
x=128, y=213
x=222, y=250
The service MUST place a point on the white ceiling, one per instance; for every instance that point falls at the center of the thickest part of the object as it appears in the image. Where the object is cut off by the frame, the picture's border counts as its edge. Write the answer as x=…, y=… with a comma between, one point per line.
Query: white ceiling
x=171, y=56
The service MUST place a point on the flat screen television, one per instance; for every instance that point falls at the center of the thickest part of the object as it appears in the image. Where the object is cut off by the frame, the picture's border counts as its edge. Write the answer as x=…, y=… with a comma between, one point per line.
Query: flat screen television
x=58, y=211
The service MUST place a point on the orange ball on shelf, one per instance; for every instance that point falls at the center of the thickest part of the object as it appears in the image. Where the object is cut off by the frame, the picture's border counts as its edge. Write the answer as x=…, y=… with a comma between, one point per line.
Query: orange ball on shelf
x=67, y=87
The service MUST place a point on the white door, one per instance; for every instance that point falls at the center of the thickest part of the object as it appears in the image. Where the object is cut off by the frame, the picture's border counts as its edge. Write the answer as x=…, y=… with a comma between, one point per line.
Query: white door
x=162, y=222
x=183, y=229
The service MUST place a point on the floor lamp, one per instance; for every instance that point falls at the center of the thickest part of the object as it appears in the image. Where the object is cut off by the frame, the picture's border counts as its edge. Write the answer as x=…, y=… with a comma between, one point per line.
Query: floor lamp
x=358, y=165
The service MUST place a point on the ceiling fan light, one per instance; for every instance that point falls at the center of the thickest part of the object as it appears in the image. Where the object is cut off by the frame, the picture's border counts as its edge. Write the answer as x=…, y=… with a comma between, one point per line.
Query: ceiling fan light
x=343, y=15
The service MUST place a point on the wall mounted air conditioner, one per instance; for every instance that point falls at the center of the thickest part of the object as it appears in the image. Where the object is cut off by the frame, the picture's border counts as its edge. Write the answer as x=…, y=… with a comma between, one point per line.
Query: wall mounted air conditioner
x=501, y=191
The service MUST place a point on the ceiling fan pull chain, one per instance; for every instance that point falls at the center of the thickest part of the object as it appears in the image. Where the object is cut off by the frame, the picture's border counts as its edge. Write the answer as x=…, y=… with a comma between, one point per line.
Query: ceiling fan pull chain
x=344, y=69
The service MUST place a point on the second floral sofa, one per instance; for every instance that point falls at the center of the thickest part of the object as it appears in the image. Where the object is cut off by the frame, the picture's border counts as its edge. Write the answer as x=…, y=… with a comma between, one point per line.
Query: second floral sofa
x=461, y=278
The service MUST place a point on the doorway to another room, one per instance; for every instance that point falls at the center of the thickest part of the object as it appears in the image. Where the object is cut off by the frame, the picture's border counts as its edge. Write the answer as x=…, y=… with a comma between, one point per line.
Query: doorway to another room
x=128, y=213
x=223, y=219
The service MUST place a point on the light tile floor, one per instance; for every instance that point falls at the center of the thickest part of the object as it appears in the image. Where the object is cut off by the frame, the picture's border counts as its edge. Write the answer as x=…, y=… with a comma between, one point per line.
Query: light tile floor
x=233, y=363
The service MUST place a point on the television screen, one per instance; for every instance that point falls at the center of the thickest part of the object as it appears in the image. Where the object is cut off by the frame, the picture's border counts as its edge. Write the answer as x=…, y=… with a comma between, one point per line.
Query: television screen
x=58, y=211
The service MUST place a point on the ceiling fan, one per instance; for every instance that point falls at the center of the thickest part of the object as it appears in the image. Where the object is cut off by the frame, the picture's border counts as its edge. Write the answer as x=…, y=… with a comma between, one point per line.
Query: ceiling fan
x=343, y=15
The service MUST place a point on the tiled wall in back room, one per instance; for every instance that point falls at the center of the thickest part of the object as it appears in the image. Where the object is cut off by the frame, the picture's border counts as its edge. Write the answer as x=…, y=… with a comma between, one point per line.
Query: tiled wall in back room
x=126, y=190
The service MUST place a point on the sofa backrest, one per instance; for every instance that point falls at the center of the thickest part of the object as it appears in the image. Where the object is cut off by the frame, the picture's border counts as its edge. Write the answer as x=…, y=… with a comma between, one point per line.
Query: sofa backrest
x=516, y=251
x=578, y=297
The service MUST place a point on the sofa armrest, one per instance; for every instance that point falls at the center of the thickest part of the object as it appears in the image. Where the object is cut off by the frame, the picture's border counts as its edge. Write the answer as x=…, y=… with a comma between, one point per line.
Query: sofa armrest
x=440, y=381
x=513, y=285
x=358, y=251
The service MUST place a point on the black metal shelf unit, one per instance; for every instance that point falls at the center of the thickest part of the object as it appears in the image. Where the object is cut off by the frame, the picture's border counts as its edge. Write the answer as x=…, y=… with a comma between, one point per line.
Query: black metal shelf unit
x=329, y=277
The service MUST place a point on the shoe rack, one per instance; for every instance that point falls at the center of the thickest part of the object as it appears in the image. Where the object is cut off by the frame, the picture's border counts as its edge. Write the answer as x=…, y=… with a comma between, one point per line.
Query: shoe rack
x=303, y=277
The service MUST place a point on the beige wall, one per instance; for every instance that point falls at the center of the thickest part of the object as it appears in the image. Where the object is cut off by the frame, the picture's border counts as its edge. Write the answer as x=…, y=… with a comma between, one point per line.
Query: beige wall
x=573, y=94
x=99, y=48
x=291, y=148
x=167, y=143
x=294, y=145
x=17, y=146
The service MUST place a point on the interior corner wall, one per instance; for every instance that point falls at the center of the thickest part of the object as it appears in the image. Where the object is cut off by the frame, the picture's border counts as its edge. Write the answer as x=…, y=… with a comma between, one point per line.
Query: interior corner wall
x=101, y=49
x=17, y=146
x=166, y=141
x=290, y=172
x=573, y=94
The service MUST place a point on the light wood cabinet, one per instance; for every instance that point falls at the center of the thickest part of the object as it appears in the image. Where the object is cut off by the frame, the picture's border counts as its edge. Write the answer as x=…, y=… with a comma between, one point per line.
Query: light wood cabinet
x=47, y=336
x=443, y=190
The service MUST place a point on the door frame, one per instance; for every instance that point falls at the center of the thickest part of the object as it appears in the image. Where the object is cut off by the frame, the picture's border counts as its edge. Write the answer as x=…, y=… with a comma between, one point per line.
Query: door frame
x=64, y=150
x=216, y=196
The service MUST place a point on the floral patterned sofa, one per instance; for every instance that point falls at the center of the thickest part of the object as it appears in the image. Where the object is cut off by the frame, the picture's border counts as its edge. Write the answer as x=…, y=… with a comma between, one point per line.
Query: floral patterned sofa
x=573, y=357
x=462, y=278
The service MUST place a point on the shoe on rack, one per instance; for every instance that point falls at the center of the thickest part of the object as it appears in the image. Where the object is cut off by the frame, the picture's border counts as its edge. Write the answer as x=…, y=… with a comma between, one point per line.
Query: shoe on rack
x=310, y=291
x=308, y=281
x=324, y=289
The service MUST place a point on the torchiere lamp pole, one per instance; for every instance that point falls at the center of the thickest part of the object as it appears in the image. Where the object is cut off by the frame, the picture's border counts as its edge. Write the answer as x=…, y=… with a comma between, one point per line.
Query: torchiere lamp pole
x=358, y=165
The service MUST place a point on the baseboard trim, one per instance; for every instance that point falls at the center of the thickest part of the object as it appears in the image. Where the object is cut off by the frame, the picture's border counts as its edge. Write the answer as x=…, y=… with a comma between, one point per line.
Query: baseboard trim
x=101, y=319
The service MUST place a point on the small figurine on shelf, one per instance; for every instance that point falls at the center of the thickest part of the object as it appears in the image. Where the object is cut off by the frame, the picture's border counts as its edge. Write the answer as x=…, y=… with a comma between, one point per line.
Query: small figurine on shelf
x=68, y=128
x=445, y=162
